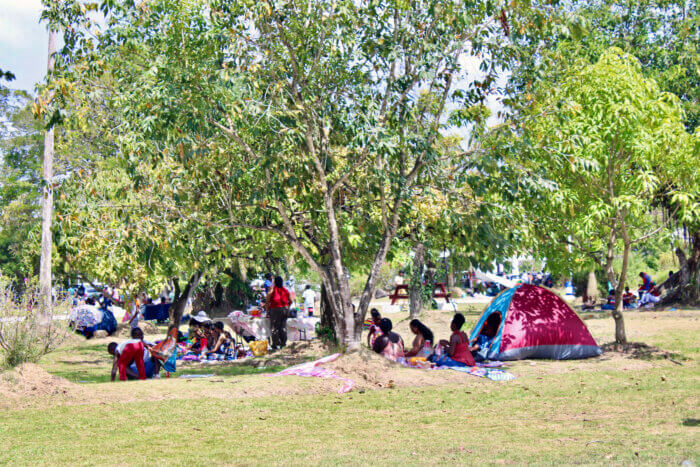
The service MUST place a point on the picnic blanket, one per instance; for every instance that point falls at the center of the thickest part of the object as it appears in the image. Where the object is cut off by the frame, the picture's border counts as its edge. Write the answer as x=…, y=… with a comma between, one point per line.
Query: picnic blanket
x=314, y=369
x=85, y=316
x=490, y=373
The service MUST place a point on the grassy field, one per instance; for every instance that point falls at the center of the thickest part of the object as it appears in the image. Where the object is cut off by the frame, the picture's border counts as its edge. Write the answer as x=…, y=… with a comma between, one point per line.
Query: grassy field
x=614, y=409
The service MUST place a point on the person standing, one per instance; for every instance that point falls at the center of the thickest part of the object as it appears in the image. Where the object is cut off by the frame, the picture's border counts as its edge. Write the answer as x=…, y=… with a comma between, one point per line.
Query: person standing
x=309, y=297
x=277, y=305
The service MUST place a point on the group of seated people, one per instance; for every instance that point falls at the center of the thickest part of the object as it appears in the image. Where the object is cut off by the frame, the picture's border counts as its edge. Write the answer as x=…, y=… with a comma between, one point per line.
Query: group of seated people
x=135, y=357
x=208, y=338
x=648, y=293
x=457, y=351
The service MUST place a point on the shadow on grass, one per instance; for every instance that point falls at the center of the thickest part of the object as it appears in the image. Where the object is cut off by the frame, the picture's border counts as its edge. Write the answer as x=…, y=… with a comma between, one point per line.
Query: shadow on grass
x=80, y=362
x=102, y=375
x=641, y=351
x=691, y=422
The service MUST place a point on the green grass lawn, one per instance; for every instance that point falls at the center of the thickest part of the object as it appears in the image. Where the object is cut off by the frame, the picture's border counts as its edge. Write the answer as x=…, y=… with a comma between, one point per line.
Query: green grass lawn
x=595, y=411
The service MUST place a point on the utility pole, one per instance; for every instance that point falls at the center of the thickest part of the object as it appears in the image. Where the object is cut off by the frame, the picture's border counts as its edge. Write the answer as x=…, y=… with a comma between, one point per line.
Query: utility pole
x=47, y=198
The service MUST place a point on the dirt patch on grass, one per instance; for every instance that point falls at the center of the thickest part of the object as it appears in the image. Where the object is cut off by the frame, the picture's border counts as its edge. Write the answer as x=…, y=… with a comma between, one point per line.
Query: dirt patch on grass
x=370, y=370
x=29, y=381
x=639, y=351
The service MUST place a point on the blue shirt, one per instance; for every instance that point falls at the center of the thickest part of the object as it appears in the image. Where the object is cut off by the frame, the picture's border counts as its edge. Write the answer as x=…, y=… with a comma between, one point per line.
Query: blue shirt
x=483, y=342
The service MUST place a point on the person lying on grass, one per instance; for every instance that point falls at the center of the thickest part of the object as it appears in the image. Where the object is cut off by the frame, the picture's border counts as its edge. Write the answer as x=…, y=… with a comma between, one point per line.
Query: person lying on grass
x=424, y=337
x=457, y=349
x=374, y=330
x=129, y=352
x=389, y=344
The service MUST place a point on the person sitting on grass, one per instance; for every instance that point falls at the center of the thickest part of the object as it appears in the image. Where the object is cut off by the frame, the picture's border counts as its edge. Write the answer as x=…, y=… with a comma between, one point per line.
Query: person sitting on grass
x=629, y=300
x=128, y=352
x=197, y=336
x=223, y=339
x=457, y=349
x=480, y=345
x=374, y=331
x=423, y=336
x=647, y=284
x=650, y=298
x=610, y=304
x=389, y=344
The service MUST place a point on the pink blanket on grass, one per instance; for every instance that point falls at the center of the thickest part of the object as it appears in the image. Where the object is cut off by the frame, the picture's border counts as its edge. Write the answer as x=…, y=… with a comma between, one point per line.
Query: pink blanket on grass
x=313, y=369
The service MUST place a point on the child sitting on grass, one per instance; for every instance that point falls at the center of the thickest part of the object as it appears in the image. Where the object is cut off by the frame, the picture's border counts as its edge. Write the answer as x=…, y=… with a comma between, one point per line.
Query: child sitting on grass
x=481, y=344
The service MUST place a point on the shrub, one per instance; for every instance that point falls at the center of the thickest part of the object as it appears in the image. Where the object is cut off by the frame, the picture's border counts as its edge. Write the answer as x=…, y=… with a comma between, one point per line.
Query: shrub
x=27, y=332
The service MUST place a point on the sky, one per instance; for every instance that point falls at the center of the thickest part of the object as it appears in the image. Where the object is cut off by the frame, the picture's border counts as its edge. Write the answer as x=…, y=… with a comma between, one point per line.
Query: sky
x=23, y=42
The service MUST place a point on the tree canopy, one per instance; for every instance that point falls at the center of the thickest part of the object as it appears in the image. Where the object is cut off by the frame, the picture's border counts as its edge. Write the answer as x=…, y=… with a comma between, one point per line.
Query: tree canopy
x=604, y=141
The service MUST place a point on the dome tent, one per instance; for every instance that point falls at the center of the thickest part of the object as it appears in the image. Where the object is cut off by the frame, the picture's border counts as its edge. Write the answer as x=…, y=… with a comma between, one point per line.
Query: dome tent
x=533, y=322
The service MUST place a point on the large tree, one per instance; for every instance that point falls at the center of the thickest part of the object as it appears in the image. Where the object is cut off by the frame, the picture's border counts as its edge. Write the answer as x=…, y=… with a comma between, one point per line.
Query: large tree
x=603, y=140
x=664, y=35
x=300, y=119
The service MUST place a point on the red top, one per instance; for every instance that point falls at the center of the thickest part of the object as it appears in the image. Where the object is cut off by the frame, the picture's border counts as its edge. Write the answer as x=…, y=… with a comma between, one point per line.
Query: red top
x=462, y=353
x=279, y=298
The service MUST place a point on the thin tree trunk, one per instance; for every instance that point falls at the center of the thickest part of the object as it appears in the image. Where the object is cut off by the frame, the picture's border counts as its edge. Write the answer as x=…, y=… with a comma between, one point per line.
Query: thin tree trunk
x=592, y=287
x=620, y=336
x=416, y=282
x=47, y=199
x=182, y=297
x=450, y=276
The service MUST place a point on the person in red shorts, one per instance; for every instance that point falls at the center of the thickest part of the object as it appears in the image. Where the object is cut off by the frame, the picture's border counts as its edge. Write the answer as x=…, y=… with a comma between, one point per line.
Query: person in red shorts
x=128, y=352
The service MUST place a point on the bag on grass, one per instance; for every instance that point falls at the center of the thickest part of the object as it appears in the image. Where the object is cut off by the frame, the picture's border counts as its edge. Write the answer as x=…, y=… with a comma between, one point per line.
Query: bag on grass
x=259, y=348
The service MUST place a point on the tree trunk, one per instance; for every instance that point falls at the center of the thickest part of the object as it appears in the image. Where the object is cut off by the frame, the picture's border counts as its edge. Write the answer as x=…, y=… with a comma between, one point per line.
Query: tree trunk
x=416, y=282
x=327, y=317
x=592, y=287
x=686, y=282
x=47, y=199
x=450, y=273
x=182, y=297
x=371, y=284
x=620, y=336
